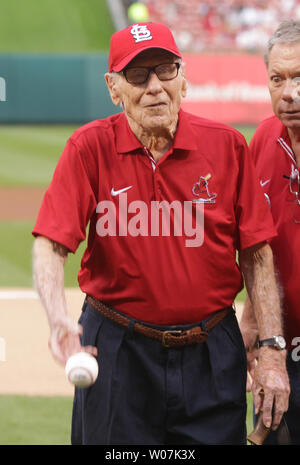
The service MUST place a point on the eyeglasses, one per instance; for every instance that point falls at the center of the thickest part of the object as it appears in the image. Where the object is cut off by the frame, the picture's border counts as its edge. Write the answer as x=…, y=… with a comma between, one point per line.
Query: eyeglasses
x=140, y=74
x=294, y=182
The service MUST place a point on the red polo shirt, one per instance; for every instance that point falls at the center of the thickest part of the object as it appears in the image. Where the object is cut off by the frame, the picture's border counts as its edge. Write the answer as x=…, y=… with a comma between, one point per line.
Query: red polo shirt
x=274, y=160
x=162, y=269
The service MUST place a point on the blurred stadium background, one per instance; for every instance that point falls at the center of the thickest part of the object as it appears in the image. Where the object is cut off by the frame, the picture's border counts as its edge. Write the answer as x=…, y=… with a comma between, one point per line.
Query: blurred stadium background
x=53, y=55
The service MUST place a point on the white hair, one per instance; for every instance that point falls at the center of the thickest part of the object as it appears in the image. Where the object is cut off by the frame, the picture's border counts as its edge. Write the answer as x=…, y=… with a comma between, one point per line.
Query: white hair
x=288, y=32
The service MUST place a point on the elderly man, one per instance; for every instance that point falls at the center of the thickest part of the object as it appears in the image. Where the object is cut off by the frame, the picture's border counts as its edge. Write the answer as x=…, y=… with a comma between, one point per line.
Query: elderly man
x=276, y=151
x=169, y=198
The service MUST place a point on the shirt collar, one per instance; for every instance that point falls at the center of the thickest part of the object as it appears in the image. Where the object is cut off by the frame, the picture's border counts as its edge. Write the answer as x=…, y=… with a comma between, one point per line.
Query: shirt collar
x=284, y=134
x=126, y=141
x=185, y=137
x=284, y=140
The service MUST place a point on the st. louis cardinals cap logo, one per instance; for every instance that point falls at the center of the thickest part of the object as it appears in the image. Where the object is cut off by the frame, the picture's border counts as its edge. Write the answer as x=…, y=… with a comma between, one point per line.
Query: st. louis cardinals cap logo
x=201, y=190
x=126, y=44
x=140, y=33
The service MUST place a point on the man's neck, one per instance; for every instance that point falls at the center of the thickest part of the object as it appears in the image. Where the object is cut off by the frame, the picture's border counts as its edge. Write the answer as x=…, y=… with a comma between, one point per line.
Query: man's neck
x=157, y=145
x=158, y=140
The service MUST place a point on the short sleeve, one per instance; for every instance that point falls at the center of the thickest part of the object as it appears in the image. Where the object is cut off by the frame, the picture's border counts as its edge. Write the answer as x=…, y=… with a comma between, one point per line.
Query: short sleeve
x=69, y=201
x=254, y=219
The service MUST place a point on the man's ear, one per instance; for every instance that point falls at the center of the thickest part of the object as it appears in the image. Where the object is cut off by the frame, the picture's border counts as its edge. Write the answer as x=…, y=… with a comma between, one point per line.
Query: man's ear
x=184, y=82
x=113, y=88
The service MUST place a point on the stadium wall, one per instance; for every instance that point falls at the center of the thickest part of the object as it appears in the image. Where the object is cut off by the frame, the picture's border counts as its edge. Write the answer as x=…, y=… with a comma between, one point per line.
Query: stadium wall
x=230, y=88
x=54, y=88
x=71, y=88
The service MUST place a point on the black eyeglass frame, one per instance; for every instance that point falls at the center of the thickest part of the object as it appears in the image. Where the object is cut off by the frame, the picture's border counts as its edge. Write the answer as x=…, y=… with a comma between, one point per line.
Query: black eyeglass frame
x=149, y=70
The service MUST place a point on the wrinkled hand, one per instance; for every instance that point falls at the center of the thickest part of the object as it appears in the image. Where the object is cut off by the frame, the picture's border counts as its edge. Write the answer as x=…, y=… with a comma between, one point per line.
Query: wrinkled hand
x=270, y=375
x=65, y=339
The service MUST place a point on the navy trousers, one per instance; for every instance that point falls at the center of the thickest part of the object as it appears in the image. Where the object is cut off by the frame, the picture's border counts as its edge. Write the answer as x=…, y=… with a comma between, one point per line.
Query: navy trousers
x=147, y=394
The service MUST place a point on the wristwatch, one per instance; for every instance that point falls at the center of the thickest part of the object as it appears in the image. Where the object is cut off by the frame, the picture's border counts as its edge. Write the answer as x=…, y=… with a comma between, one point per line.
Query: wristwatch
x=278, y=342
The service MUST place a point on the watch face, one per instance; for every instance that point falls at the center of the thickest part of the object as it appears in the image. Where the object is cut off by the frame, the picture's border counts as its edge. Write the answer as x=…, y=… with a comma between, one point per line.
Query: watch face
x=276, y=341
x=280, y=342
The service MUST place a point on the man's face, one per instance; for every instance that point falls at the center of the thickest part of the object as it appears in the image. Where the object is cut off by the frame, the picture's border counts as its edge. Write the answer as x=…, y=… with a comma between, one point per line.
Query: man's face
x=154, y=104
x=284, y=83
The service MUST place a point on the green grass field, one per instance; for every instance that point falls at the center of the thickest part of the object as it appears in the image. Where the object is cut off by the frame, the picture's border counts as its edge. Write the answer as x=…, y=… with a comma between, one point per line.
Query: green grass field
x=44, y=420
x=35, y=420
x=29, y=153
x=54, y=26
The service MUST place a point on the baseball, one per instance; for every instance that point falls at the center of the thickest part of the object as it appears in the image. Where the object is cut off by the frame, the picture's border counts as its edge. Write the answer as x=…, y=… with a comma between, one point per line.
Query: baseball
x=81, y=369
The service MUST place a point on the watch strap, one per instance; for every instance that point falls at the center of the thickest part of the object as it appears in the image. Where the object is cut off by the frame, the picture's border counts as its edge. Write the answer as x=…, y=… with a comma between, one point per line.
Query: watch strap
x=277, y=342
x=267, y=342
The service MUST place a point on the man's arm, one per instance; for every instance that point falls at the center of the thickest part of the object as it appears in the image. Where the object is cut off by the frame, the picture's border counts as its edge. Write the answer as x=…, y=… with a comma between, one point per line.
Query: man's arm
x=49, y=259
x=270, y=374
x=249, y=325
x=249, y=330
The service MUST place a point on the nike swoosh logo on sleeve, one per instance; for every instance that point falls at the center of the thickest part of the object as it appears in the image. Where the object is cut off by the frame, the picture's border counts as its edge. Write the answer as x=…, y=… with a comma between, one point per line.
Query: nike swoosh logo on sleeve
x=120, y=191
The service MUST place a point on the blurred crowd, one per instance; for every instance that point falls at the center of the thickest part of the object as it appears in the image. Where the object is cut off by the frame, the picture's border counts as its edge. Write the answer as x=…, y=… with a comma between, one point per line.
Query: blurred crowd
x=221, y=25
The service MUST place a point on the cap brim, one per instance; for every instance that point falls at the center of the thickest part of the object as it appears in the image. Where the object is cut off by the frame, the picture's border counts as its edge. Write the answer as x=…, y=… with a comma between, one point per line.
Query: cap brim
x=123, y=63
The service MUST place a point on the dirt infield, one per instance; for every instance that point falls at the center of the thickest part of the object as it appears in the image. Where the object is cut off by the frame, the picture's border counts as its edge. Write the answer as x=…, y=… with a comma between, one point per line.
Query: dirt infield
x=29, y=367
x=19, y=204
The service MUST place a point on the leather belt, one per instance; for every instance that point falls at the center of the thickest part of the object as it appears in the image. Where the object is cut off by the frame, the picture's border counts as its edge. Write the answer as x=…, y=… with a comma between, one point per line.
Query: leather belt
x=168, y=338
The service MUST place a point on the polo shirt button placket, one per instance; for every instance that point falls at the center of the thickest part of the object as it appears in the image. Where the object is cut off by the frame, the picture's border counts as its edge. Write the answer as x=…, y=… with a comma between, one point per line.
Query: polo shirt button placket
x=149, y=155
x=155, y=167
x=156, y=185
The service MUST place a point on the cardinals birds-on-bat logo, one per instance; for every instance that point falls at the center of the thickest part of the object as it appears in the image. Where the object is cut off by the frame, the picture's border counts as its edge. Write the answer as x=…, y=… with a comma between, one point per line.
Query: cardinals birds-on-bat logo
x=201, y=190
